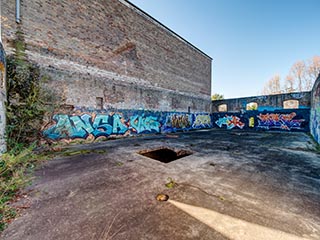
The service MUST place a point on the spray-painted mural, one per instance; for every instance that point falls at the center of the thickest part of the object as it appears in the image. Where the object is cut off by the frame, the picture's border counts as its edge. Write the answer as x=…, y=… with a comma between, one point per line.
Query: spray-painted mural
x=2, y=99
x=92, y=125
x=125, y=122
x=99, y=125
x=230, y=122
x=176, y=121
x=283, y=120
x=315, y=123
x=202, y=121
x=279, y=121
x=315, y=111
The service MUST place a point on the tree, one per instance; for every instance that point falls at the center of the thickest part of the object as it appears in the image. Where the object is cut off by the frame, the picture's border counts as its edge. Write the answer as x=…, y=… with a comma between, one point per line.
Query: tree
x=272, y=86
x=289, y=84
x=217, y=96
x=305, y=73
x=301, y=77
x=298, y=71
x=313, y=69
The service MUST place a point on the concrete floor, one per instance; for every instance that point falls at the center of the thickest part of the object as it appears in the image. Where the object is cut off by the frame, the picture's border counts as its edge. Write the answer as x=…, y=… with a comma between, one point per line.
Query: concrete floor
x=235, y=185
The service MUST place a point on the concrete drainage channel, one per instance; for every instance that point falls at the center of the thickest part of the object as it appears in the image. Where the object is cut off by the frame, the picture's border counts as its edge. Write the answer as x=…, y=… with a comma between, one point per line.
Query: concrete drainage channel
x=165, y=154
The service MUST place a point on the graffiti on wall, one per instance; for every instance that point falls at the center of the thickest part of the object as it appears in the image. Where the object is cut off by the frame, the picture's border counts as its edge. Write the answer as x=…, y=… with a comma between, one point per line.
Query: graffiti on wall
x=297, y=95
x=2, y=99
x=88, y=124
x=315, y=123
x=98, y=125
x=230, y=121
x=178, y=121
x=202, y=121
x=279, y=121
x=315, y=112
x=251, y=122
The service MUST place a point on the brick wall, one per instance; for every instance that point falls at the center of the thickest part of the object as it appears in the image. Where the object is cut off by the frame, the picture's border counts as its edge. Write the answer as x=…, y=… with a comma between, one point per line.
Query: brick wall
x=110, y=50
x=266, y=102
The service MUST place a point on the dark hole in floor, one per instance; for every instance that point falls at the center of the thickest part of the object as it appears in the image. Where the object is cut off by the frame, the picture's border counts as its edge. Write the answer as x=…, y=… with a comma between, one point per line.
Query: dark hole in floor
x=165, y=155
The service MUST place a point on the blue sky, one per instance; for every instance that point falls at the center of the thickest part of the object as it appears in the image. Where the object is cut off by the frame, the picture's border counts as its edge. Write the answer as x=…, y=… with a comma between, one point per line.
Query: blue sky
x=249, y=40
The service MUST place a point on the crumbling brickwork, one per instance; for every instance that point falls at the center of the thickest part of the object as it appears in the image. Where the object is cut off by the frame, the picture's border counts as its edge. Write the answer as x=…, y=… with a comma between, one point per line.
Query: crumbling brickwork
x=110, y=50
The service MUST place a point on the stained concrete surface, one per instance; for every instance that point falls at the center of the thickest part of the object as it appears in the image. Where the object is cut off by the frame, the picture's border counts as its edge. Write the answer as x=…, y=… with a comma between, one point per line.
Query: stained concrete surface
x=266, y=178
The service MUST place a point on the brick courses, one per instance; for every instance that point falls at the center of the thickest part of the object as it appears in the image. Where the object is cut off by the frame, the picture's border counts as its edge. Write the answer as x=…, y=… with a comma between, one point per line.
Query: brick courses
x=112, y=50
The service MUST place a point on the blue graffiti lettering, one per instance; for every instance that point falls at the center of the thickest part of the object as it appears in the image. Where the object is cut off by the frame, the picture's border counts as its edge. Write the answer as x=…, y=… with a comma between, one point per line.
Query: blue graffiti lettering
x=141, y=124
x=100, y=125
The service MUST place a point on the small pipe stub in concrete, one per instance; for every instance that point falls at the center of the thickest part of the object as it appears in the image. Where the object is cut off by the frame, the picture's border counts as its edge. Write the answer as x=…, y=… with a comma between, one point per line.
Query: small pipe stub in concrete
x=162, y=197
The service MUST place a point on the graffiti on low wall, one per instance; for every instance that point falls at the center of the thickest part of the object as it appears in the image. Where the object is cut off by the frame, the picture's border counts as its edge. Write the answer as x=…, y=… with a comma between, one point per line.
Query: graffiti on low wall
x=315, y=123
x=283, y=120
x=126, y=122
x=95, y=124
x=99, y=125
x=279, y=121
x=230, y=122
x=202, y=121
x=177, y=121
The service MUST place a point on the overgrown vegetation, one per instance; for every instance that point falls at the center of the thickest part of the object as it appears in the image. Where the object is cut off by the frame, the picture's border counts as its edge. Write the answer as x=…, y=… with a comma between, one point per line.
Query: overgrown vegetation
x=27, y=101
x=26, y=107
x=15, y=173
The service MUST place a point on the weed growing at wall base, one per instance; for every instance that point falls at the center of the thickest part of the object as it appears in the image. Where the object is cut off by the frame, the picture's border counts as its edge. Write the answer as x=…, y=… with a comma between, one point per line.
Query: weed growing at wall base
x=15, y=173
x=26, y=106
x=27, y=100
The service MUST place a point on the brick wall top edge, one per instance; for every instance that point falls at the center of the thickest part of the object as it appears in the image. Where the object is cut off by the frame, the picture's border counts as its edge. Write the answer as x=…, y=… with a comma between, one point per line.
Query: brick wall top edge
x=159, y=24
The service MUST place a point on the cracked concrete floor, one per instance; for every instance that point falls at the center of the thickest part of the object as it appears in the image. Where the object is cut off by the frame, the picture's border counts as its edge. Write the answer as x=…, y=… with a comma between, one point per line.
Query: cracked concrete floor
x=263, y=181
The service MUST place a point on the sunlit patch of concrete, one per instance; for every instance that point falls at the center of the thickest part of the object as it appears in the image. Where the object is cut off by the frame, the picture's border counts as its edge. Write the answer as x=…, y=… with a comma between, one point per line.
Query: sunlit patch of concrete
x=233, y=228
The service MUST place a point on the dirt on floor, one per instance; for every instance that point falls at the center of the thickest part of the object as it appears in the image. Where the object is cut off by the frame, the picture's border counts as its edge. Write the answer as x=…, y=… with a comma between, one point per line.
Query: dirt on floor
x=230, y=185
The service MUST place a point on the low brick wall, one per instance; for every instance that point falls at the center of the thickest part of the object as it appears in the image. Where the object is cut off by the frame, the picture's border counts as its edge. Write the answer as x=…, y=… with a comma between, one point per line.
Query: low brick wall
x=266, y=102
x=86, y=124
x=278, y=120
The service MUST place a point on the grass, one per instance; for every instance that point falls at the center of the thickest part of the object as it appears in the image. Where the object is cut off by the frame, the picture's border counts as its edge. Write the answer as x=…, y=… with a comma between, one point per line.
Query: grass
x=15, y=173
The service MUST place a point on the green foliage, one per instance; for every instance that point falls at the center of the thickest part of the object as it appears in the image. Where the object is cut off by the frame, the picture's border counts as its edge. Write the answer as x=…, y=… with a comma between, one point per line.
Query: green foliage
x=171, y=183
x=217, y=96
x=27, y=101
x=27, y=104
x=14, y=174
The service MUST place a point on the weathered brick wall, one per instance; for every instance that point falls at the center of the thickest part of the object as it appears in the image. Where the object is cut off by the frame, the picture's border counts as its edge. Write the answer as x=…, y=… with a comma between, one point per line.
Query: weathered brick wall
x=111, y=50
x=267, y=102
x=315, y=111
